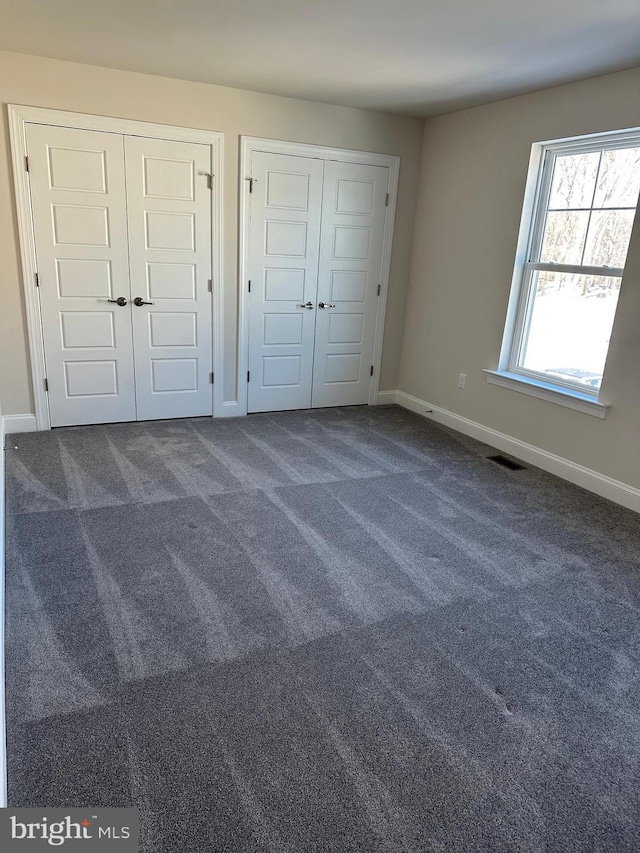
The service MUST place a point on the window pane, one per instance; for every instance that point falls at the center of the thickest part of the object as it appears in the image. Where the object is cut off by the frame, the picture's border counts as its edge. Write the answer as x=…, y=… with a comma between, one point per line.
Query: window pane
x=564, y=237
x=608, y=237
x=574, y=178
x=569, y=327
x=619, y=178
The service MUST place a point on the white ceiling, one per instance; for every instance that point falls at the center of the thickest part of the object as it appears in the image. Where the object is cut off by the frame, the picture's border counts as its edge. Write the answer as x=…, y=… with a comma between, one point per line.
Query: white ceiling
x=420, y=57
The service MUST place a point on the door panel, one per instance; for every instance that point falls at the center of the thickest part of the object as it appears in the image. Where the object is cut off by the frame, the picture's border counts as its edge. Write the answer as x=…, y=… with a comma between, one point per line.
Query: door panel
x=169, y=206
x=285, y=209
x=353, y=215
x=79, y=217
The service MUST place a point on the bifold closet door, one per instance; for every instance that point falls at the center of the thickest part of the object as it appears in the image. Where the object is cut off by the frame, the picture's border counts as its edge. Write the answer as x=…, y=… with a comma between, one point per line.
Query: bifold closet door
x=169, y=221
x=123, y=249
x=353, y=215
x=285, y=209
x=80, y=223
x=315, y=250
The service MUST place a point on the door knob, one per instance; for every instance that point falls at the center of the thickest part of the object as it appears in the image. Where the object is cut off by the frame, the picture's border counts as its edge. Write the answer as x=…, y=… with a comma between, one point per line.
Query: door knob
x=308, y=306
x=326, y=305
x=140, y=301
x=121, y=301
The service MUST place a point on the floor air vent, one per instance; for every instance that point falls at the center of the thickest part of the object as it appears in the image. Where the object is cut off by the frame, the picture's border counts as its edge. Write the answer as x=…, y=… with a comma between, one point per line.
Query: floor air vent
x=511, y=464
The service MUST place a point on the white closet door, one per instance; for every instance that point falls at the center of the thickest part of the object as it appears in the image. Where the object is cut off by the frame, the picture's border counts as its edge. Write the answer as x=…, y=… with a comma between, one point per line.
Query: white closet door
x=285, y=208
x=353, y=215
x=169, y=213
x=79, y=217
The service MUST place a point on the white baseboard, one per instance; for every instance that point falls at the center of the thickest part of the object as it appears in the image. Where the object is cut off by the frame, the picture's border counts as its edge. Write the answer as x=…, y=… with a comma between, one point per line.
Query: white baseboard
x=19, y=423
x=229, y=409
x=387, y=397
x=3, y=729
x=615, y=490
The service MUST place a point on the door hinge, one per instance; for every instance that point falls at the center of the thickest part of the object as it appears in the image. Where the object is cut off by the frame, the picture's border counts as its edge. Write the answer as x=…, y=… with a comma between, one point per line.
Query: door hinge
x=212, y=377
x=251, y=180
x=249, y=285
x=210, y=178
x=386, y=201
x=372, y=370
x=46, y=384
x=37, y=279
x=379, y=289
x=248, y=376
x=210, y=285
x=26, y=163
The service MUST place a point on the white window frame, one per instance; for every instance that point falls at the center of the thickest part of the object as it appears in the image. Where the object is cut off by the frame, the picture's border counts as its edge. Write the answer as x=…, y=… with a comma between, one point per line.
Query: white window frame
x=509, y=374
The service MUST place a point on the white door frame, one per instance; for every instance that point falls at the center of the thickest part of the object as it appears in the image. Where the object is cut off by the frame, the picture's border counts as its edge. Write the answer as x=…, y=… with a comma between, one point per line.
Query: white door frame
x=19, y=117
x=249, y=144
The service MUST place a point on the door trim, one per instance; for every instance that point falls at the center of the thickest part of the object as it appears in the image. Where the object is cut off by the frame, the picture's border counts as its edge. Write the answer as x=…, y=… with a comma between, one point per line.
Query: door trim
x=19, y=116
x=249, y=144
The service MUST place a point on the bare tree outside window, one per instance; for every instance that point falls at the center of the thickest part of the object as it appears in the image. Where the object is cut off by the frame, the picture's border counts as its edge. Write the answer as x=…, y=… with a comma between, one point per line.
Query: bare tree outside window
x=581, y=233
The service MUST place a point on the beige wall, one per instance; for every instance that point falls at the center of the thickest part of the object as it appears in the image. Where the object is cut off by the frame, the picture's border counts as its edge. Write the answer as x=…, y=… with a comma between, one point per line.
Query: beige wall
x=474, y=168
x=49, y=83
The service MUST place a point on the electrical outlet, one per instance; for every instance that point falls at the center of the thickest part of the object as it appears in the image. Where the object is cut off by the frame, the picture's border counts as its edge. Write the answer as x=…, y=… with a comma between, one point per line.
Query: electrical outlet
x=462, y=380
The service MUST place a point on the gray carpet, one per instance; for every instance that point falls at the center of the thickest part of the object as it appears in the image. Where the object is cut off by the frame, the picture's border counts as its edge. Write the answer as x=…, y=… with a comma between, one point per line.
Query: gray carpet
x=340, y=630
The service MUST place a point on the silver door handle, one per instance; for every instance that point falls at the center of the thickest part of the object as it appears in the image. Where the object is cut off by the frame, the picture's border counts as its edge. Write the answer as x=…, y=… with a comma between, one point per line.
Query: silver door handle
x=326, y=305
x=121, y=301
x=140, y=301
x=308, y=306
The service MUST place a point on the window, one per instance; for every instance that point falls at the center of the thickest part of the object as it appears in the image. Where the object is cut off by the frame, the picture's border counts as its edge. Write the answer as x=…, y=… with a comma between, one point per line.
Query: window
x=572, y=250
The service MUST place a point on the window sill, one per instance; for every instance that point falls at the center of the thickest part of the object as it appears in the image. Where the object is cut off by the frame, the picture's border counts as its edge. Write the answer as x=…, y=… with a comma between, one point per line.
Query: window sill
x=545, y=391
